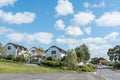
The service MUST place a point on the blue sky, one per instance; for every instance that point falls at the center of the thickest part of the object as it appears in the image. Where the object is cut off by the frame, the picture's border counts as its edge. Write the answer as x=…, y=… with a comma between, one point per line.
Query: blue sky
x=64, y=23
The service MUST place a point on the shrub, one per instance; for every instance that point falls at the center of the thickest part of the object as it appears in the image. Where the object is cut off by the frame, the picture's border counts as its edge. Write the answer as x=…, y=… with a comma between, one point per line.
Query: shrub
x=86, y=68
x=20, y=58
x=52, y=58
x=50, y=63
x=117, y=65
x=10, y=57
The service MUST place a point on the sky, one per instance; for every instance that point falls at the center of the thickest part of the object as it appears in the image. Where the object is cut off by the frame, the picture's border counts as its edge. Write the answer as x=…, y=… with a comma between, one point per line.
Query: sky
x=64, y=23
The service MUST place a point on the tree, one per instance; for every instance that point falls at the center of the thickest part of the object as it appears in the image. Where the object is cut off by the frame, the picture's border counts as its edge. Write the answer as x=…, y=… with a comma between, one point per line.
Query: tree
x=114, y=53
x=71, y=58
x=110, y=53
x=82, y=53
x=1, y=48
x=117, y=52
x=95, y=60
x=40, y=51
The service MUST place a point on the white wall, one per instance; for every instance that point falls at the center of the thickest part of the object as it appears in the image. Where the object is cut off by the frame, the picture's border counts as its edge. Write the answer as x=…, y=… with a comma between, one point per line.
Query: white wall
x=11, y=51
x=32, y=53
x=58, y=54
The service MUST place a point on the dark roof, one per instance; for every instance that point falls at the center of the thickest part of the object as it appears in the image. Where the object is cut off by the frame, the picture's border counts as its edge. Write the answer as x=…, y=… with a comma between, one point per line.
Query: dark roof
x=61, y=50
x=17, y=45
x=32, y=47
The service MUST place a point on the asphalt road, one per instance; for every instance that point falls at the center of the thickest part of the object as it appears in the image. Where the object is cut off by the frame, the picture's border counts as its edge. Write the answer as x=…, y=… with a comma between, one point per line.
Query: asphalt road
x=101, y=74
x=46, y=76
x=108, y=74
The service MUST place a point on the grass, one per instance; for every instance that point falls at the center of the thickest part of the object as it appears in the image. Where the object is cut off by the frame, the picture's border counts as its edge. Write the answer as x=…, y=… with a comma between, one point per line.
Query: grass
x=7, y=67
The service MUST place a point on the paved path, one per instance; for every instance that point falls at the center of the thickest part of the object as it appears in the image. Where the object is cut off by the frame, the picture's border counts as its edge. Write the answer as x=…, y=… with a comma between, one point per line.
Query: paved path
x=46, y=77
x=108, y=74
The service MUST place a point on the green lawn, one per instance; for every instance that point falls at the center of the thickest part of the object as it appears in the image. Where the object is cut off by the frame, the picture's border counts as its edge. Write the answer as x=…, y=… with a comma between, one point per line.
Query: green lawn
x=6, y=67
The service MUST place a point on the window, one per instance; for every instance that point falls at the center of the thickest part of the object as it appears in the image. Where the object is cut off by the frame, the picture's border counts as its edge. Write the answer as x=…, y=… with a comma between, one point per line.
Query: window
x=33, y=51
x=9, y=47
x=53, y=53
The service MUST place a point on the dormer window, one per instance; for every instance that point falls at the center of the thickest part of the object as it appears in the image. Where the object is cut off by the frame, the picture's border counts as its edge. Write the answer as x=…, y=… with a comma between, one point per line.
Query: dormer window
x=53, y=53
x=33, y=51
x=9, y=47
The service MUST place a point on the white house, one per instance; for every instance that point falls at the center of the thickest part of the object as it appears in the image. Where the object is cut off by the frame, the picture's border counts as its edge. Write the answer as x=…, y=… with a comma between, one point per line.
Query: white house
x=55, y=51
x=32, y=51
x=13, y=49
x=34, y=54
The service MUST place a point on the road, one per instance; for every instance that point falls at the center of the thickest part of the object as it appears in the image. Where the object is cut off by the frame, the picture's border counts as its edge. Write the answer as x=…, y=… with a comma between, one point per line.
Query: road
x=108, y=74
x=101, y=74
x=46, y=76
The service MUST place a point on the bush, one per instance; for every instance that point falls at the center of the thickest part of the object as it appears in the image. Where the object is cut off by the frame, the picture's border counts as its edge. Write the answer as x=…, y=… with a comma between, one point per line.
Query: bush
x=20, y=58
x=63, y=63
x=86, y=68
x=10, y=57
x=117, y=65
x=52, y=58
x=50, y=63
x=34, y=61
x=2, y=57
x=109, y=64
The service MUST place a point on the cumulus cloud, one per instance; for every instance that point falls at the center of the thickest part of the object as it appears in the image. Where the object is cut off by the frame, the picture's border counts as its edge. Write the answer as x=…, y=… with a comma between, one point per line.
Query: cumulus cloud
x=7, y=2
x=59, y=25
x=64, y=8
x=88, y=30
x=98, y=46
x=82, y=18
x=88, y=5
x=18, y=18
x=73, y=31
x=71, y=42
x=112, y=36
x=99, y=40
x=99, y=50
x=109, y=19
x=40, y=37
x=96, y=40
x=5, y=30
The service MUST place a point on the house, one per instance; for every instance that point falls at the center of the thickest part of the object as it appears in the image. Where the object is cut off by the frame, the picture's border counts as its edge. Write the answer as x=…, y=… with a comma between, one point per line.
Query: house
x=55, y=51
x=13, y=49
x=32, y=51
x=35, y=55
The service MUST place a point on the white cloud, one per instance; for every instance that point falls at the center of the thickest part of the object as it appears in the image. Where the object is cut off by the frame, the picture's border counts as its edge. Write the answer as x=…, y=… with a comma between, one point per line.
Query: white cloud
x=18, y=18
x=88, y=30
x=82, y=18
x=98, y=46
x=59, y=25
x=64, y=8
x=16, y=37
x=73, y=31
x=7, y=2
x=5, y=30
x=40, y=37
x=96, y=40
x=99, y=50
x=109, y=19
x=72, y=43
x=88, y=5
x=112, y=36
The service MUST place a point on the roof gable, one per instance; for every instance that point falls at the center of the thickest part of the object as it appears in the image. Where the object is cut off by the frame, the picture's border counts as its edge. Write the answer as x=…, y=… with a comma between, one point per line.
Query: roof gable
x=17, y=46
x=61, y=50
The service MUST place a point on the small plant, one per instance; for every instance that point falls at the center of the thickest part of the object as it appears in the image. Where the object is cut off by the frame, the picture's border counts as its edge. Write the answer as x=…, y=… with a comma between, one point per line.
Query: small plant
x=10, y=57
x=20, y=58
